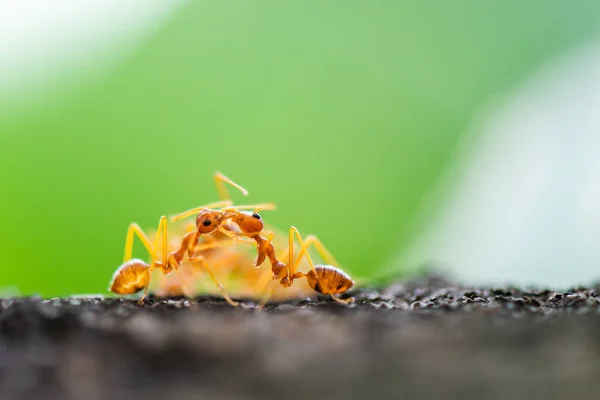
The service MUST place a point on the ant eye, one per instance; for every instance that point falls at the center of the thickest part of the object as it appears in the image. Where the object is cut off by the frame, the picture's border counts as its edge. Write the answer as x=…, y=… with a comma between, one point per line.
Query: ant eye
x=207, y=222
x=255, y=215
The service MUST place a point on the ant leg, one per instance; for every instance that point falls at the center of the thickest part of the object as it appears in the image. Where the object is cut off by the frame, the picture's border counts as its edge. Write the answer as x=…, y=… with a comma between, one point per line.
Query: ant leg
x=344, y=301
x=141, y=301
x=263, y=280
x=304, y=252
x=166, y=286
x=202, y=261
x=265, y=298
x=230, y=234
x=185, y=289
x=220, y=181
x=161, y=232
x=327, y=258
x=188, y=273
x=213, y=245
x=187, y=280
x=134, y=229
x=312, y=240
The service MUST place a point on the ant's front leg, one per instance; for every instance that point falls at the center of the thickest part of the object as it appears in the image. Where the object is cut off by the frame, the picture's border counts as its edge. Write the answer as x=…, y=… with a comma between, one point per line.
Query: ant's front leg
x=135, y=230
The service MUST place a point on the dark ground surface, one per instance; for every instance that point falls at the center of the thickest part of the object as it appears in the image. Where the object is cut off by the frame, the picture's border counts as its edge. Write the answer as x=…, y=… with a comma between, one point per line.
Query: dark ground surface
x=421, y=339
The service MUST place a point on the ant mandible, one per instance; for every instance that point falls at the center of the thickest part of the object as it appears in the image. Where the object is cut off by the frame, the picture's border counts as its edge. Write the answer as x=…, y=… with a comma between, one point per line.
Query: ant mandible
x=135, y=274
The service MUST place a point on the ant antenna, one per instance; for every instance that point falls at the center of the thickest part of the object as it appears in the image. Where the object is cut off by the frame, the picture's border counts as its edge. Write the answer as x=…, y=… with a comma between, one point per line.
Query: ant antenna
x=220, y=181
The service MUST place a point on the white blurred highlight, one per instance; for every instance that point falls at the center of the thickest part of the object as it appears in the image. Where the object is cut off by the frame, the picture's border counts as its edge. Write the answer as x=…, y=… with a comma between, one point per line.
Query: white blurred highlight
x=42, y=41
x=523, y=205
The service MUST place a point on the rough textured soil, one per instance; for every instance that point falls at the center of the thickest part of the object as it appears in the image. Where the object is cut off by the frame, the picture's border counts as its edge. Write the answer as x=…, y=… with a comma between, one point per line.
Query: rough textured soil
x=423, y=339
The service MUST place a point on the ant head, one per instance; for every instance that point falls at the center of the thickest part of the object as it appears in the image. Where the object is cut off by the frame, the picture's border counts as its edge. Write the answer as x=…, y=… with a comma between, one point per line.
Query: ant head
x=249, y=222
x=208, y=220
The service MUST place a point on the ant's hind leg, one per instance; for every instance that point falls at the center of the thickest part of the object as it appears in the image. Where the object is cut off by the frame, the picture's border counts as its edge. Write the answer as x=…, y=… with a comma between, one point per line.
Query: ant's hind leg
x=141, y=301
x=134, y=229
x=312, y=240
x=202, y=261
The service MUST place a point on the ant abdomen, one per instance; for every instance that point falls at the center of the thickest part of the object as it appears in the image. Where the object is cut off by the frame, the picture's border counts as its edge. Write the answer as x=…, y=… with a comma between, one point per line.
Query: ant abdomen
x=329, y=280
x=131, y=277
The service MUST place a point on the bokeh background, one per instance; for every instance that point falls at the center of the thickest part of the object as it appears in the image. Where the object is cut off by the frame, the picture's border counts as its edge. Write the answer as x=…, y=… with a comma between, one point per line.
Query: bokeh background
x=461, y=136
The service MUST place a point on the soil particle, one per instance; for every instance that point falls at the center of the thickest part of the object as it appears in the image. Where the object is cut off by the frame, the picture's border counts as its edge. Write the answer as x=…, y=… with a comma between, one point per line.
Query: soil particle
x=427, y=338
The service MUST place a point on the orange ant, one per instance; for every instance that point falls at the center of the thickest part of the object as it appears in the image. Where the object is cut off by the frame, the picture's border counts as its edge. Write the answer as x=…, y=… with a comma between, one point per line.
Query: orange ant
x=326, y=279
x=135, y=274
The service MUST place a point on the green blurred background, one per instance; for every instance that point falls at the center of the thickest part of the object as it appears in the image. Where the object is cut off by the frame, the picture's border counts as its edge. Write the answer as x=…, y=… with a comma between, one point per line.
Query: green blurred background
x=344, y=113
